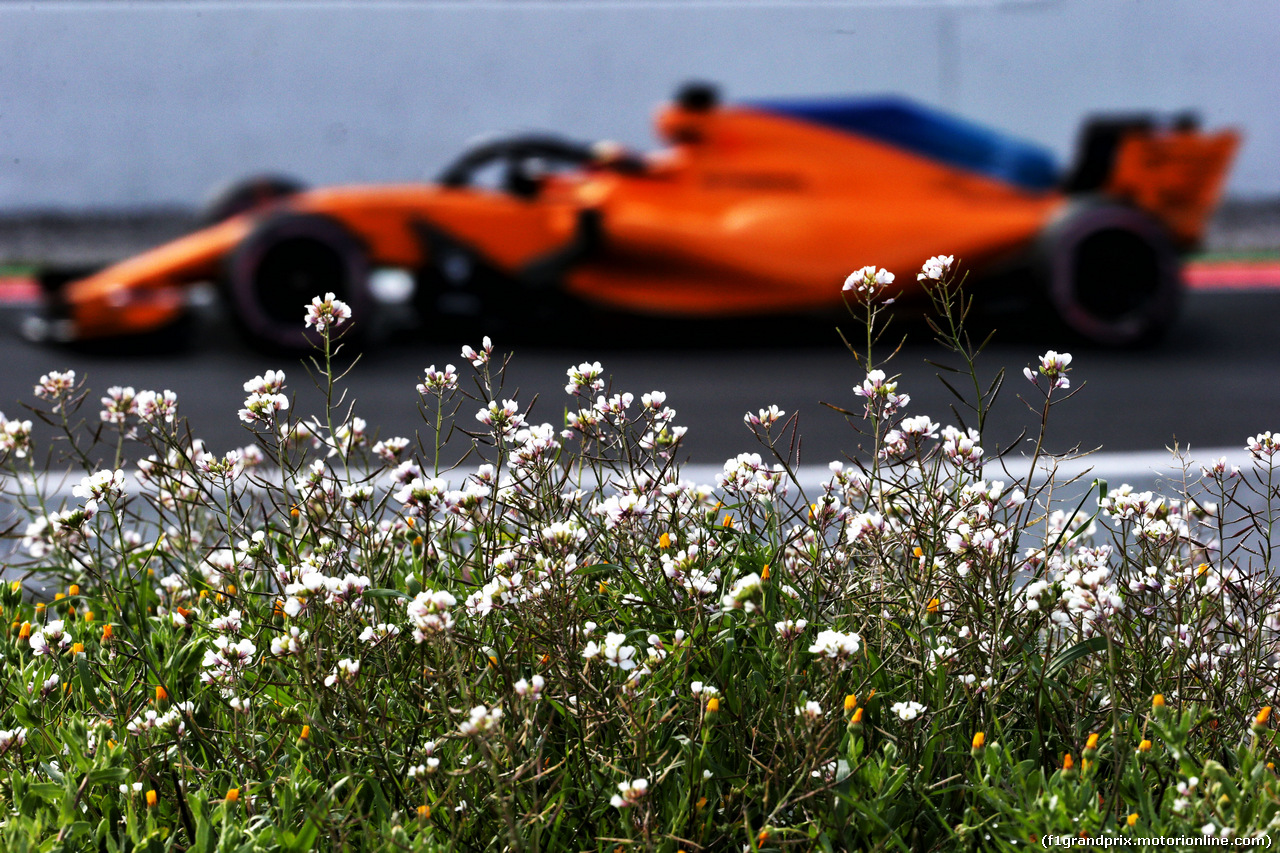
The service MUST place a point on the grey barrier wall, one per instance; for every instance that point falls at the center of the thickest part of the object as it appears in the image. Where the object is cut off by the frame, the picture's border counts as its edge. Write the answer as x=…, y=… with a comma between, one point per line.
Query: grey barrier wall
x=148, y=103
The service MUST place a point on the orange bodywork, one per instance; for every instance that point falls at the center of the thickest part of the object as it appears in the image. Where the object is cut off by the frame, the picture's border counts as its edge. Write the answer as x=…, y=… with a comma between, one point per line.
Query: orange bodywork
x=747, y=212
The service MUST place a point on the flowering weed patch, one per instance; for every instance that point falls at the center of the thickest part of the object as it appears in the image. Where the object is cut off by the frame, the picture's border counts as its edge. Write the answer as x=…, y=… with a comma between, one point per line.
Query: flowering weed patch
x=326, y=641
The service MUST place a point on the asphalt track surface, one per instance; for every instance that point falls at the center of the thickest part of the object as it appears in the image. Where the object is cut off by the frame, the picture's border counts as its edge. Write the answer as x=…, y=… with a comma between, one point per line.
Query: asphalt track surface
x=1211, y=384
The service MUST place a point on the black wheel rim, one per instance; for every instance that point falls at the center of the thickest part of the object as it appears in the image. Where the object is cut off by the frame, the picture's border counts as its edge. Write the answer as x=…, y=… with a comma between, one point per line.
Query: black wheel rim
x=294, y=271
x=1117, y=274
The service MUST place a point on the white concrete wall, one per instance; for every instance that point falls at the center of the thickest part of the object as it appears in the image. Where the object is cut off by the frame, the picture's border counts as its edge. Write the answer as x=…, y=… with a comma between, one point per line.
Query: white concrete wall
x=128, y=104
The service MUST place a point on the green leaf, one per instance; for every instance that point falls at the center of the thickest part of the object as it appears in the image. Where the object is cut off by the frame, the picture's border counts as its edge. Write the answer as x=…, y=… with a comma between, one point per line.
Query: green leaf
x=88, y=683
x=386, y=593
x=1073, y=653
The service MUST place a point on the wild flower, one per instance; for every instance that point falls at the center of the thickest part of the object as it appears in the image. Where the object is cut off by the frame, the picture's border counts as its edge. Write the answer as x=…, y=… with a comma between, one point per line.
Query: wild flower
x=613, y=651
x=479, y=358
x=345, y=672
x=882, y=399
x=868, y=282
x=765, y=417
x=325, y=312
x=585, y=379
x=810, y=711
x=629, y=793
x=481, y=719
x=936, y=268
x=1054, y=367
x=837, y=645
x=907, y=711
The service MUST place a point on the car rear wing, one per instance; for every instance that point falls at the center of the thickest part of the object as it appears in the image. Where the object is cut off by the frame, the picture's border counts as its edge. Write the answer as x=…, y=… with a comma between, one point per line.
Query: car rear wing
x=1173, y=171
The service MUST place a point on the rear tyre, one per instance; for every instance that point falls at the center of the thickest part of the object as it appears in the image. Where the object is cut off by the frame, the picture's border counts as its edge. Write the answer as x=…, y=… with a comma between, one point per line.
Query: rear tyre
x=282, y=265
x=244, y=195
x=1110, y=273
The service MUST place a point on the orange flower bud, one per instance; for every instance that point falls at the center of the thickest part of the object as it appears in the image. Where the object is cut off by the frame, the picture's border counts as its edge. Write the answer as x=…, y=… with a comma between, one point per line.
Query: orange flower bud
x=161, y=693
x=1263, y=715
x=151, y=798
x=1144, y=746
x=728, y=521
x=424, y=811
x=89, y=616
x=979, y=740
x=74, y=589
x=24, y=631
x=664, y=541
x=1092, y=742
x=306, y=733
x=713, y=704
x=107, y=632
x=58, y=596
x=233, y=794
x=1132, y=819
x=77, y=648
x=702, y=801
x=764, y=573
x=850, y=702
x=932, y=607
x=231, y=589
x=1157, y=702
x=1068, y=762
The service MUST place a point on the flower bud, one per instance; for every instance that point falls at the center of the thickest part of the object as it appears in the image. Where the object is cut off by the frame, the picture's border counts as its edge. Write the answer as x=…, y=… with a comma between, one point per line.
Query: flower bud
x=979, y=744
x=1091, y=746
x=1068, y=767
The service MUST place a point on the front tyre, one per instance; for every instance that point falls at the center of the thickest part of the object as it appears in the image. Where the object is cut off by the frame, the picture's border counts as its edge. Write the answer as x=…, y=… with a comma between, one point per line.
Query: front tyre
x=284, y=263
x=1110, y=273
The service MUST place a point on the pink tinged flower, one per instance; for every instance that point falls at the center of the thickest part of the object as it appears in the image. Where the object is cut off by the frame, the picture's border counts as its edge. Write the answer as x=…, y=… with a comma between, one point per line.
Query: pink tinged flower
x=1054, y=366
x=865, y=283
x=56, y=384
x=881, y=394
x=155, y=406
x=1263, y=446
x=262, y=408
x=271, y=382
x=438, y=381
x=765, y=418
x=326, y=312
x=118, y=405
x=15, y=436
x=586, y=377
x=481, y=358
x=935, y=268
x=389, y=449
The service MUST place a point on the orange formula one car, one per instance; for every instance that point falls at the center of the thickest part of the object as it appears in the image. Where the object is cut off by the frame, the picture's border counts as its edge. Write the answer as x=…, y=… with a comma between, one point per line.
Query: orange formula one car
x=753, y=209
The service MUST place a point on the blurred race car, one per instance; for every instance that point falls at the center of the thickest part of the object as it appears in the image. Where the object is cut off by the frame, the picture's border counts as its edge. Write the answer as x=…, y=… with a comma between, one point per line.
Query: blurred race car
x=759, y=208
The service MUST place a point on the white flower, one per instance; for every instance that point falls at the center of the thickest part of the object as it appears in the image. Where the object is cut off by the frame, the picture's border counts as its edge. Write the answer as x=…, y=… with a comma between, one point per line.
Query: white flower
x=907, y=711
x=326, y=312
x=935, y=268
x=810, y=711
x=836, y=644
x=868, y=281
x=481, y=720
x=629, y=793
x=1054, y=366
x=613, y=651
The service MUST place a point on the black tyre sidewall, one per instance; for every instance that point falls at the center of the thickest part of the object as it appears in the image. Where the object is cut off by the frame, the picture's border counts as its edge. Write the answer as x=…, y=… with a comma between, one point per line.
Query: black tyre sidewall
x=243, y=287
x=1058, y=262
